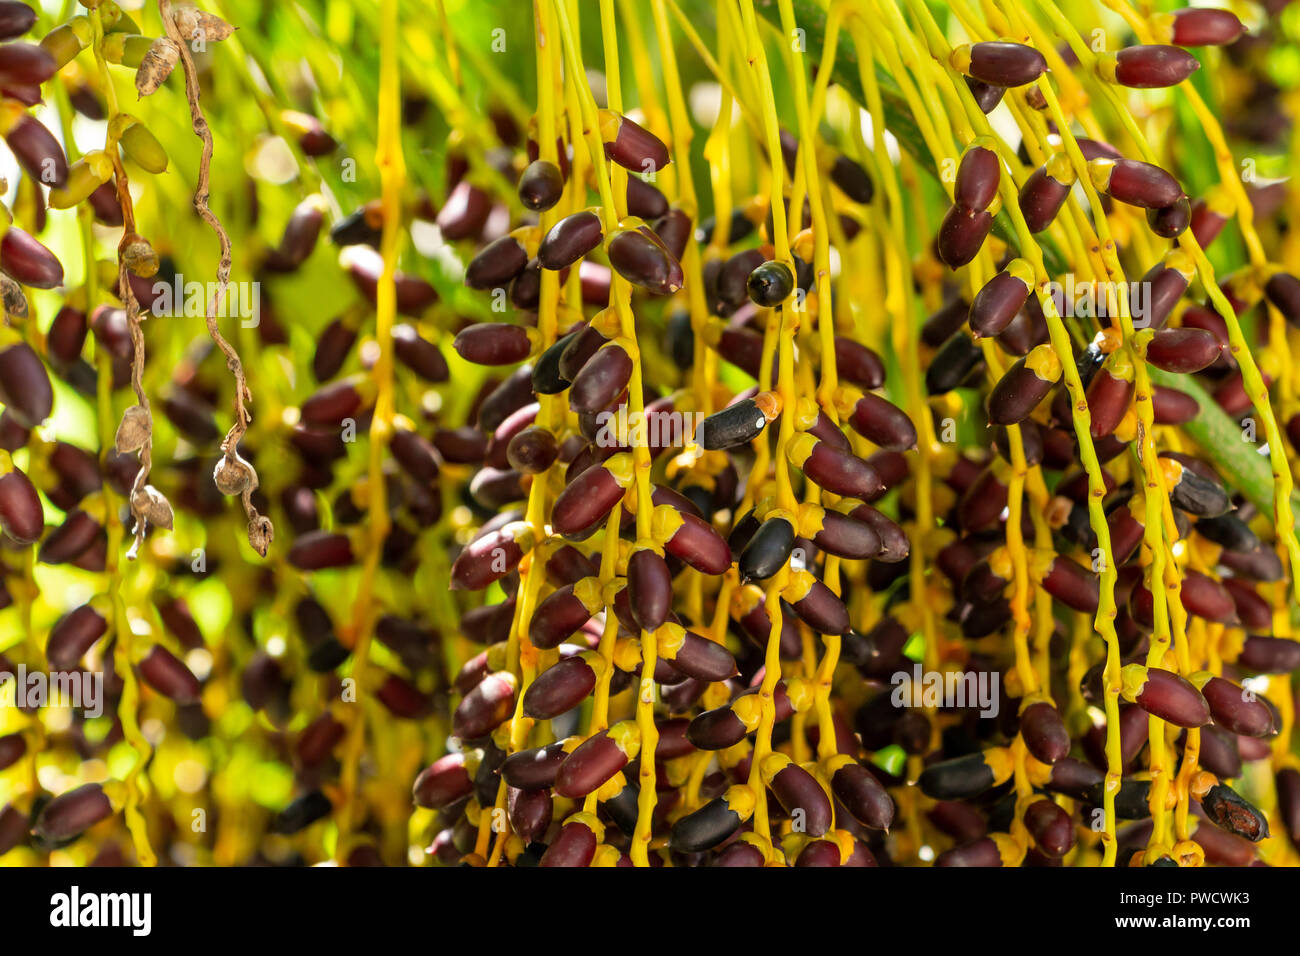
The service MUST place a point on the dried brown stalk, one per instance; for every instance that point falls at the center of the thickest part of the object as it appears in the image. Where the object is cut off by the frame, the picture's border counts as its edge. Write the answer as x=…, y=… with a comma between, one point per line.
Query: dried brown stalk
x=260, y=530
x=138, y=495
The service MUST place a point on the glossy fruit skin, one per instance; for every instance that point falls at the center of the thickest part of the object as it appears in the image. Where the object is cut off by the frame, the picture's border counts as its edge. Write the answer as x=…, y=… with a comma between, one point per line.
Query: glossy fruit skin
x=700, y=659
x=1205, y=26
x=1206, y=223
x=541, y=185
x=837, y=471
x=798, y=790
x=496, y=264
x=320, y=549
x=894, y=545
x=1044, y=732
x=1283, y=291
x=27, y=261
x=650, y=588
x=863, y=796
x=493, y=343
x=332, y=349
x=1004, y=64
x=575, y=846
x=1270, y=655
x=1151, y=67
x=37, y=151
x=987, y=97
x=443, y=782
x=716, y=729
x=821, y=609
x=504, y=400
x=1042, y=196
x=529, y=812
x=169, y=676
x=695, y=542
x=640, y=257
x=591, y=764
x=956, y=361
x=1027, y=331
x=1135, y=183
x=631, y=145
x=1074, y=778
x=495, y=488
x=858, y=364
x=1199, y=496
x=1235, y=710
x=15, y=19
x=70, y=540
x=73, y=635
x=25, y=386
x=770, y=284
x=583, y=344
x=847, y=537
x=1017, y=394
x=1172, y=407
x=957, y=778
x=1183, y=350
x=740, y=855
x=569, y=240
x=941, y=325
x=534, y=769
x=1109, y=398
x=768, y=550
x=547, y=379
x=1173, y=698
x=72, y=813
x=706, y=827
x=961, y=234
x=737, y=424
x=331, y=404
x=881, y=422
x=982, y=853
x=1170, y=222
x=733, y=278
x=1230, y=532
x=977, y=178
x=601, y=379
x=558, y=689
x=585, y=500
x=997, y=303
x=67, y=335
x=1126, y=533
x=1167, y=286
x=1050, y=826
x=674, y=230
x=644, y=200
x=1071, y=584
x=464, y=213
x=485, y=707
x=532, y=451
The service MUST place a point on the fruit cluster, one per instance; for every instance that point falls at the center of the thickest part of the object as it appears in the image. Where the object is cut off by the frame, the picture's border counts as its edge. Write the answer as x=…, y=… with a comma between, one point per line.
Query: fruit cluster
x=774, y=468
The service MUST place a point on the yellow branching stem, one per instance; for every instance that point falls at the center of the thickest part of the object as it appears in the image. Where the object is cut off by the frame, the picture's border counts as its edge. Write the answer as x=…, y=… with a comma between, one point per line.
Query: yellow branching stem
x=392, y=174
